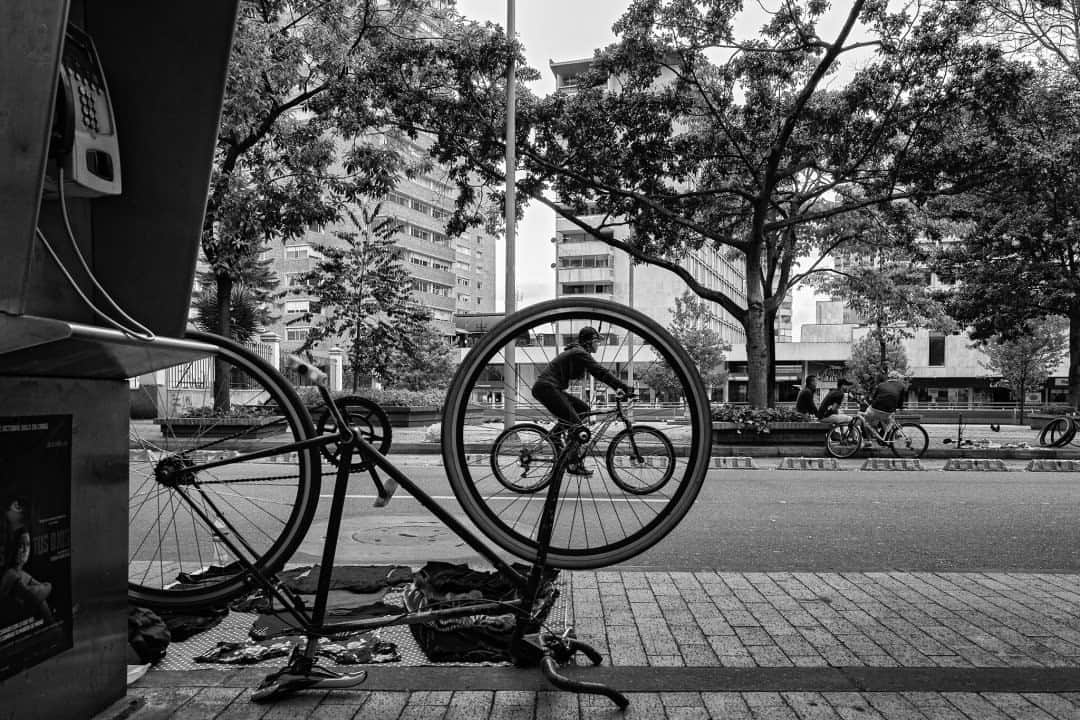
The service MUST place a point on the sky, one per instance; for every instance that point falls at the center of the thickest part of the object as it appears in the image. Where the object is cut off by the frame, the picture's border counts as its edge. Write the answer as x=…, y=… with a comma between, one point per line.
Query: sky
x=560, y=30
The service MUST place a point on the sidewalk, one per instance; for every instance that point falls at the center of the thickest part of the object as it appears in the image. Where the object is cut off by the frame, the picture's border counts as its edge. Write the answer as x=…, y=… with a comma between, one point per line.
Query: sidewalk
x=871, y=645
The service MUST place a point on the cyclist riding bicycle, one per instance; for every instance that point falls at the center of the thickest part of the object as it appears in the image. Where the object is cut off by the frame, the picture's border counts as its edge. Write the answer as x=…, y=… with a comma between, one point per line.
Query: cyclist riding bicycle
x=885, y=399
x=572, y=364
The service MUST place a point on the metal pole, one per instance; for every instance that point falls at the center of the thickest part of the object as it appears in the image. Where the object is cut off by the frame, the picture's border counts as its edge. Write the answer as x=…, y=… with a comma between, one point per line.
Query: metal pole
x=510, y=303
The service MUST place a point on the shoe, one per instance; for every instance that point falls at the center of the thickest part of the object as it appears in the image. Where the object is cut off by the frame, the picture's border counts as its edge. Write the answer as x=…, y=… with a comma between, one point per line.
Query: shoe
x=579, y=469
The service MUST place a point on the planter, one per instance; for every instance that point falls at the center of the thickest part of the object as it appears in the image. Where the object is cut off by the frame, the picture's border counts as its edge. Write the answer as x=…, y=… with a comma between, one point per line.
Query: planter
x=208, y=427
x=780, y=433
x=403, y=416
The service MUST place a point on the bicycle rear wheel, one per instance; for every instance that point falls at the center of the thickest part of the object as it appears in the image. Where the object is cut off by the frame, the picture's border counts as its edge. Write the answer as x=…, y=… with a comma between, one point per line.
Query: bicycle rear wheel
x=908, y=440
x=523, y=458
x=214, y=408
x=640, y=460
x=597, y=523
x=843, y=441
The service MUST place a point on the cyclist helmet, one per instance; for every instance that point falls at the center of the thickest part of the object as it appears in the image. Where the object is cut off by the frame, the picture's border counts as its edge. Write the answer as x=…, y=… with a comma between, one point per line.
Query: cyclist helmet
x=586, y=335
x=896, y=375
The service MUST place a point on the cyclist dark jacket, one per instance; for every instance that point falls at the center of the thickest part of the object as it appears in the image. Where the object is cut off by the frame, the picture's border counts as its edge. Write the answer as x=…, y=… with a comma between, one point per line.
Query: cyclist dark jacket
x=804, y=403
x=572, y=364
x=888, y=396
x=830, y=404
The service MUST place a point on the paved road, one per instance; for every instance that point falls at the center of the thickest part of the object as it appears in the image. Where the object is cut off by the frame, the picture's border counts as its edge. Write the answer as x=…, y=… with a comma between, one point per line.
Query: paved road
x=773, y=520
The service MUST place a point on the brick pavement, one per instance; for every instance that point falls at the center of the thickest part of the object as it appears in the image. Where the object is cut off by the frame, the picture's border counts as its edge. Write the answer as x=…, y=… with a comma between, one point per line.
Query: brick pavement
x=807, y=646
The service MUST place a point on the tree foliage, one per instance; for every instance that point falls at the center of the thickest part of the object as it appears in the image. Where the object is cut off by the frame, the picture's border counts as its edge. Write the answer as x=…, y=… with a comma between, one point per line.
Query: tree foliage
x=307, y=81
x=685, y=135
x=689, y=327
x=365, y=298
x=424, y=362
x=1017, y=257
x=1025, y=361
x=866, y=367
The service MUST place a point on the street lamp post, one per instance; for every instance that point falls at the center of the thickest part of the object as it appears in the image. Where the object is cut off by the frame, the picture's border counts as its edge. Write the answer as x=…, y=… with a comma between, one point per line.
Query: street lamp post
x=510, y=302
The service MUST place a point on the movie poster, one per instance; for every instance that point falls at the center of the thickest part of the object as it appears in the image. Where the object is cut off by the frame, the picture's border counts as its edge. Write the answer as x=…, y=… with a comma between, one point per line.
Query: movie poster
x=35, y=540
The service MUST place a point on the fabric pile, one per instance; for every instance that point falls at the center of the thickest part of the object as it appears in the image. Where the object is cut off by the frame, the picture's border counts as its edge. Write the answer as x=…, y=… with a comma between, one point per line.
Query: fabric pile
x=481, y=637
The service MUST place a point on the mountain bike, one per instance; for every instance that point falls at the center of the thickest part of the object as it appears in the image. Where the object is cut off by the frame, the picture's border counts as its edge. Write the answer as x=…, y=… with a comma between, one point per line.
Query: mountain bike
x=225, y=480
x=637, y=458
x=904, y=439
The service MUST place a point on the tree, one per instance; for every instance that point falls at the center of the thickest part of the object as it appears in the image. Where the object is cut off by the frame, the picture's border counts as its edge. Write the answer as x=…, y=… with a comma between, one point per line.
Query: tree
x=866, y=366
x=425, y=362
x=887, y=288
x=364, y=297
x=1017, y=256
x=249, y=305
x=307, y=80
x=689, y=327
x=1025, y=361
x=684, y=135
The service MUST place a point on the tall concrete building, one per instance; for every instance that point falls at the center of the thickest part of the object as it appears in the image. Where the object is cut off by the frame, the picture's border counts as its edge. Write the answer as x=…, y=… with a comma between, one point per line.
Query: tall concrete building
x=448, y=275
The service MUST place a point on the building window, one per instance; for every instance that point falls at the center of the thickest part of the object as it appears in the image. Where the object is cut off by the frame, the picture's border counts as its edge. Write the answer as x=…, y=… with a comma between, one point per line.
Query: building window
x=294, y=279
x=937, y=351
x=296, y=333
x=463, y=282
x=296, y=306
x=295, y=252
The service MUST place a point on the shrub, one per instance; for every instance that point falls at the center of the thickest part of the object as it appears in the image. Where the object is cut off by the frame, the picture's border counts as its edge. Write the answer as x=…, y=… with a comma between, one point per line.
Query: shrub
x=748, y=419
x=385, y=397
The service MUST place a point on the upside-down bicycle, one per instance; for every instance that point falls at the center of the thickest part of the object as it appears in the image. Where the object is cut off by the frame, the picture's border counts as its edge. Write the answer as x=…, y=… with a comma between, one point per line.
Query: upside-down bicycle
x=227, y=477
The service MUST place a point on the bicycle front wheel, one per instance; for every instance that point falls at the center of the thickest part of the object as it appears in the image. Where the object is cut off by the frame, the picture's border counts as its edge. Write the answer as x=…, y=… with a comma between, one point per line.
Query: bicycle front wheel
x=216, y=407
x=597, y=523
x=640, y=460
x=843, y=441
x=523, y=458
x=908, y=440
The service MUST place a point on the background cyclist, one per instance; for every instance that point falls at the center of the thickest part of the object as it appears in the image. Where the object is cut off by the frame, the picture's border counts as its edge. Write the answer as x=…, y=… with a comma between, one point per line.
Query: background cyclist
x=885, y=399
x=572, y=364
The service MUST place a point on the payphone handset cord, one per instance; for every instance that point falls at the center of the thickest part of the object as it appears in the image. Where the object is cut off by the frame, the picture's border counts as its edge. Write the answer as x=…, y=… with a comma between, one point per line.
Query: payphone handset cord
x=141, y=332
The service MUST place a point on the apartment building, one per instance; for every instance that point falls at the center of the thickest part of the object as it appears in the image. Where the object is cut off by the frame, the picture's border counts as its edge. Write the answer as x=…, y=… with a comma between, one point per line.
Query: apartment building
x=448, y=275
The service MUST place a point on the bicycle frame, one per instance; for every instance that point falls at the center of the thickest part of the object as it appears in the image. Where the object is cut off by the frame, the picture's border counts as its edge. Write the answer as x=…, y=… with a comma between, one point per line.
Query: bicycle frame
x=537, y=649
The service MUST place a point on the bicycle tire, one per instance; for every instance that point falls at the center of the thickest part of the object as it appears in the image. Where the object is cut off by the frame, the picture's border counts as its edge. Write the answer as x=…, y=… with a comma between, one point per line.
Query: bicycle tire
x=369, y=420
x=523, y=446
x=175, y=562
x=908, y=440
x=1059, y=432
x=843, y=441
x=635, y=472
x=618, y=525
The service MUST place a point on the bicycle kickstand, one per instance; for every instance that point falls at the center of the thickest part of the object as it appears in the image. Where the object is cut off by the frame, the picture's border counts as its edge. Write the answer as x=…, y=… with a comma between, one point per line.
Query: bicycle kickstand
x=303, y=673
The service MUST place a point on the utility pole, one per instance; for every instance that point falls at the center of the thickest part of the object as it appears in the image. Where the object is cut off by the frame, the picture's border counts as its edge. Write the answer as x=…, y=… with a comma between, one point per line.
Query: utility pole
x=510, y=302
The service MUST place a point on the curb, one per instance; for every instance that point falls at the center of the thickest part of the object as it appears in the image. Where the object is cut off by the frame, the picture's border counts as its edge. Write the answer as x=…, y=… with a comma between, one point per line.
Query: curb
x=892, y=464
x=808, y=463
x=975, y=464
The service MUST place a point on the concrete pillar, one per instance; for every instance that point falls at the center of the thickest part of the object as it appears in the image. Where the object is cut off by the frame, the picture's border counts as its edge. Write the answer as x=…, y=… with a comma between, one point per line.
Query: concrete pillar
x=337, y=368
x=274, y=341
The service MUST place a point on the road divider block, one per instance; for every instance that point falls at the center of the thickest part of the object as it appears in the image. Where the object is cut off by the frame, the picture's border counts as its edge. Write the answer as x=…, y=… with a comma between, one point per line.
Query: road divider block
x=808, y=463
x=1053, y=466
x=734, y=463
x=892, y=464
x=975, y=464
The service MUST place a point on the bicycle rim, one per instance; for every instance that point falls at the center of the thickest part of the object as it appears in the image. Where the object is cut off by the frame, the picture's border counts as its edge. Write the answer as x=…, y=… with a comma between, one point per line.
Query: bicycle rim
x=523, y=458
x=596, y=523
x=640, y=460
x=843, y=441
x=909, y=440
x=175, y=559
